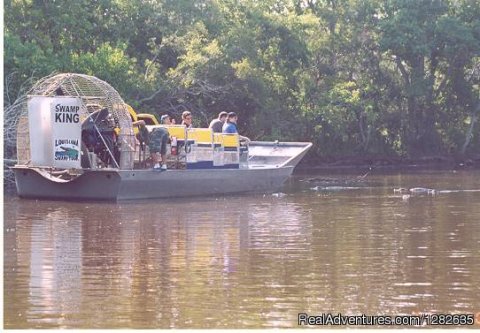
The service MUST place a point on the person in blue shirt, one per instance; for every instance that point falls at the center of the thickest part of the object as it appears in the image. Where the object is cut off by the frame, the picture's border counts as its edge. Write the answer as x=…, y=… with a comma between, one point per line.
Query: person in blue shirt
x=230, y=126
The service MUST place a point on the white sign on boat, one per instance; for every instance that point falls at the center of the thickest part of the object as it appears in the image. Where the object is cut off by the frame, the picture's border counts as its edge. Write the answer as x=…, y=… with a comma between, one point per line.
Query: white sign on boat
x=55, y=131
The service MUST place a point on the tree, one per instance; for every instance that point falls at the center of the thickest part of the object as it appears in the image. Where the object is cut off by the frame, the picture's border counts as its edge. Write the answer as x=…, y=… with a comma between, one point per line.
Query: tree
x=355, y=77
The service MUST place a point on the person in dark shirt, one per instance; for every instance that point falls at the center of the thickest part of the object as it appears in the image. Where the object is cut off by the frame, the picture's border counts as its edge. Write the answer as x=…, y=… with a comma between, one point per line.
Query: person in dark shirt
x=217, y=124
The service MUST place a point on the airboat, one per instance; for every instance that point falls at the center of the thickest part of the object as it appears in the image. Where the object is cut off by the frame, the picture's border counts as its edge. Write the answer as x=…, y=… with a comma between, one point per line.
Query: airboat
x=76, y=141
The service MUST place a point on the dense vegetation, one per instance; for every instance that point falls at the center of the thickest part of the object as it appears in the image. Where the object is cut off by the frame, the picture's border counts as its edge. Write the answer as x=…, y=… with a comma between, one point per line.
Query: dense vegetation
x=356, y=77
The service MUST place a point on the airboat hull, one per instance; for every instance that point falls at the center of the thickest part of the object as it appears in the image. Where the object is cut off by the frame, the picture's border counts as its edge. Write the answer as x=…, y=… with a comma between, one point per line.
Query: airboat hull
x=113, y=184
x=269, y=166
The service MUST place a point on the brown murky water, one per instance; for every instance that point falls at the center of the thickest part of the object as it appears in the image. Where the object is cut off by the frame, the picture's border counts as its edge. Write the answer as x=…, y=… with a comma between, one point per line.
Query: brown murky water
x=328, y=243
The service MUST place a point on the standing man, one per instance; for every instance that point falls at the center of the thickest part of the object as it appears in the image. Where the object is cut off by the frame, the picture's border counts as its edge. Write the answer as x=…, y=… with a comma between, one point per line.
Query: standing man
x=157, y=144
x=187, y=119
x=231, y=127
x=217, y=124
x=158, y=148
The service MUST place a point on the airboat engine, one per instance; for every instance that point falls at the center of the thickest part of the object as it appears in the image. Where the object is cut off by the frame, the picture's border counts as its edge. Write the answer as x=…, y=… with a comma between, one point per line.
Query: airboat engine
x=99, y=138
x=74, y=122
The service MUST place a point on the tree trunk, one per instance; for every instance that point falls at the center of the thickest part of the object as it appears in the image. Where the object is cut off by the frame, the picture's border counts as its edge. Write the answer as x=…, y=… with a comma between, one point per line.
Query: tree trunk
x=469, y=135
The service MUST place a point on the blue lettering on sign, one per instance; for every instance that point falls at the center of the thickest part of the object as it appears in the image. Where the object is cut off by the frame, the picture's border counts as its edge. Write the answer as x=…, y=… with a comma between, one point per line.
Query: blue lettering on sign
x=66, y=154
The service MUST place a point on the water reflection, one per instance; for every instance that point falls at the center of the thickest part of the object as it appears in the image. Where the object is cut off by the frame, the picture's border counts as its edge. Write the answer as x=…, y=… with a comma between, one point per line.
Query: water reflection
x=243, y=261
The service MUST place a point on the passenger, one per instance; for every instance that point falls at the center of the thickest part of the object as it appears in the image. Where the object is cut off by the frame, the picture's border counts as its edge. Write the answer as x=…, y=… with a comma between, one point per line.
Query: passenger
x=157, y=144
x=187, y=119
x=166, y=120
x=217, y=124
x=231, y=127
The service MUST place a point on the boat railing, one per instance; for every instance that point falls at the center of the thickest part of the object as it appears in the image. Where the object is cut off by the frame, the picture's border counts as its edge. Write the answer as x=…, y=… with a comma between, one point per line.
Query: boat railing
x=200, y=148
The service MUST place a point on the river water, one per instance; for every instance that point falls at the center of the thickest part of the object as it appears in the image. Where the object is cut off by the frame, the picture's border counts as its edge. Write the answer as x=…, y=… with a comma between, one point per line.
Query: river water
x=329, y=243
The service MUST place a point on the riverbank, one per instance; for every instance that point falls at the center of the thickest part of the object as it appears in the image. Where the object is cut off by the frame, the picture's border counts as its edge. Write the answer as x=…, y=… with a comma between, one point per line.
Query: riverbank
x=388, y=162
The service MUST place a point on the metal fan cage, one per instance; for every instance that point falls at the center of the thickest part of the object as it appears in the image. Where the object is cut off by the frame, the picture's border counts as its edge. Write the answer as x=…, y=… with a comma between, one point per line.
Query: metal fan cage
x=94, y=94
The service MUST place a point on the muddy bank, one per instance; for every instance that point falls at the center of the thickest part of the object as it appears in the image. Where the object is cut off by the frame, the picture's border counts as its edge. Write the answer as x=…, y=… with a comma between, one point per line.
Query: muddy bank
x=388, y=162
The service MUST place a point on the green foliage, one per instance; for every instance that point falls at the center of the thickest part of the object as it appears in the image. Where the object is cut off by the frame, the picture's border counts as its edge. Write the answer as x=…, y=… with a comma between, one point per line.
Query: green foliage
x=111, y=65
x=358, y=76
